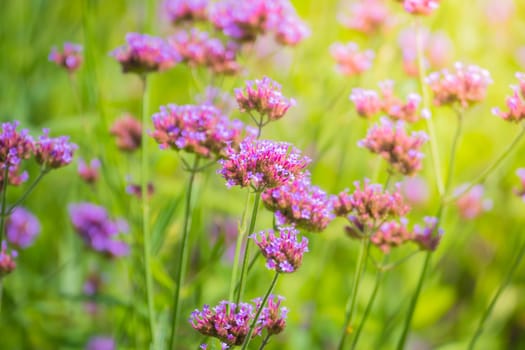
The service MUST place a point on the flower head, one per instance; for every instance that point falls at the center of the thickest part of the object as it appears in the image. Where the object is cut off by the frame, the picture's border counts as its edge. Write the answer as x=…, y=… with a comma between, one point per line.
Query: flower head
x=70, y=58
x=98, y=231
x=395, y=108
x=7, y=260
x=128, y=132
x=273, y=316
x=391, y=234
x=145, y=54
x=101, y=343
x=391, y=142
x=350, y=61
x=89, y=172
x=264, y=97
x=22, y=227
x=283, y=252
x=262, y=164
x=200, y=129
x=515, y=103
x=420, y=7
x=14, y=145
x=299, y=202
x=471, y=204
x=367, y=102
x=366, y=16
x=53, y=153
x=429, y=235
x=181, y=11
x=415, y=190
x=466, y=85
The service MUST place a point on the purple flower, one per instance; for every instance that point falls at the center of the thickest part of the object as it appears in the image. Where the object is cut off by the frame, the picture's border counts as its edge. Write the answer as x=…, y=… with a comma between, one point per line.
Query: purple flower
x=273, y=317
x=89, y=172
x=70, y=58
x=262, y=164
x=390, y=141
x=145, y=54
x=201, y=129
x=429, y=235
x=53, y=153
x=97, y=230
x=299, y=202
x=14, y=145
x=420, y=7
x=515, y=103
x=7, y=260
x=367, y=102
x=101, y=343
x=181, y=11
x=291, y=31
x=264, y=97
x=22, y=227
x=350, y=61
x=391, y=234
x=283, y=252
x=128, y=132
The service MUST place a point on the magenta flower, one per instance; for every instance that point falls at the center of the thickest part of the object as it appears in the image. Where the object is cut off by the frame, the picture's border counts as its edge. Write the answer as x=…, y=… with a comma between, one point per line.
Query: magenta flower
x=367, y=102
x=101, y=343
x=14, y=145
x=299, y=202
x=182, y=11
x=391, y=234
x=342, y=203
x=262, y=164
x=366, y=16
x=7, y=260
x=390, y=141
x=291, y=31
x=350, y=61
x=395, y=108
x=145, y=54
x=428, y=236
x=466, y=86
x=54, y=153
x=420, y=7
x=197, y=129
x=89, y=172
x=471, y=204
x=515, y=103
x=22, y=227
x=70, y=58
x=128, y=132
x=273, y=316
x=98, y=231
x=264, y=97
x=14, y=176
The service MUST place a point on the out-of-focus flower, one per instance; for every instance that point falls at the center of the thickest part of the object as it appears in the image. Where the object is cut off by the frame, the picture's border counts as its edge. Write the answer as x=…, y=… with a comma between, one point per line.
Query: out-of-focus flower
x=199, y=129
x=367, y=102
x=429, y=235
x=128, y=132
x=499, y=11
x=366, y=16
x=390, y=141
x=342, y=203
x=145, y=54
x=182, y=11
x=136, y=189
x=70, y=58
x=515, y=103
x=262, y=164
x=350, y=61
x=415, y=190
x=53, y=153
x=228, y=322
x=101, y=343
x=420, y=7
x=14, y=145
x=14, y=177
x=291, y=31
x=391, y=234
x=91, y=288
x=273, y=316
x=264, y=97
x=215, y=97
x=89, y=172
x=22, y=227
x=283, y=252
x=521, y=191
x=471, y=204
x=466, y=85
x=395, y=108
x=300, y=203
x=98, y=231
x=7, y=260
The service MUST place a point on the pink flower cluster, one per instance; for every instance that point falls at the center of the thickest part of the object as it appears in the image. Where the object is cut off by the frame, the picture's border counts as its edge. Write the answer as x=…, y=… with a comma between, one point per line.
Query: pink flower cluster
x=70, y=58
x=429, y=235
x=350, y=61
x=390, y=141
x=22, y=227
x=262, y=164
x=7, y=260
x=89, y=172
x=366, y=16
x=128, y=132
x=472, y=204
x=283, y=252
x=197, y=48
x=515, y=103
x=368, y=103
x=181, y=11
x=145, y=54
x=300, y=203
x=466, y=85
x=391, y=234
x=264, y=97
x=420, y=7
x=53, y=153
x=272, y=317
x=200, y=129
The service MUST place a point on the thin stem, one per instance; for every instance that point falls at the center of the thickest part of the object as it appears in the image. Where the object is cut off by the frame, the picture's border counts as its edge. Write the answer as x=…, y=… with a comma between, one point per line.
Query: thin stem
x=363, y=253
x=265, y=342
x=495, y=298
x=4, y=200
x=145, y=213
x=259, y=310
x=26, y=193
x=183, y=254
x=253, y=219
x=1, y=293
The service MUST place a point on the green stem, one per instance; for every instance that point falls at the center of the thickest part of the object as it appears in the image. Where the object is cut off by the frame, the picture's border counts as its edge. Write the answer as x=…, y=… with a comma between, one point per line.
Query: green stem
x=253, y=219
x=145, y=214
x=259, y=310
x=183, y=254
x=500, y=290
x=4, y=201
x=265, y=342
x=363, y=254
x=27, y=192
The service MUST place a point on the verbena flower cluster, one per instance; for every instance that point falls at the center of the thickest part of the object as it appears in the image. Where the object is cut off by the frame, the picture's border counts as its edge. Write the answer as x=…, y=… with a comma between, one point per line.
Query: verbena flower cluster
x=7, y=260
x=366, y=16
x=515, y=103
x=128, y=133
x=350, y=61
x=98, y=231
x=391, y=234
x=300, y=203
x=54, y=152
x=22, y=227
x=199, y=129
x=420, y=7
x=182, y=11
x=472, y=204
x=273, y=316
x=283, y=252
x=429, y=235
x=262, y=164
x=400, y=150
x=70, y=58
x=89, y=172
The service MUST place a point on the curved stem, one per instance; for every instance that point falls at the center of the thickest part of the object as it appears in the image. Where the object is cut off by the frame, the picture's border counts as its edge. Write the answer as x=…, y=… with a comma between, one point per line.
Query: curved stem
x=183, y=254
x=26, y=193
x=495, y=298
x=363, y=254
x=265, y=342
x=242, y=280
x=259, y=310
